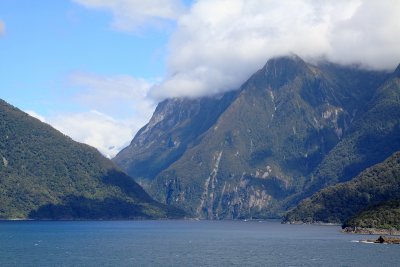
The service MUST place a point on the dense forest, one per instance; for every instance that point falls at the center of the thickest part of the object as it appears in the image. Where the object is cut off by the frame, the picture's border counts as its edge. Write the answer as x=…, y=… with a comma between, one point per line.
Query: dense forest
x=377, y=185
x=46, y=175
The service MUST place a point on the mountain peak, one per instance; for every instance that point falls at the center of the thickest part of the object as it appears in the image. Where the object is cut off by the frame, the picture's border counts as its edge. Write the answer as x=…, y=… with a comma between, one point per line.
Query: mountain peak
x=280, y=70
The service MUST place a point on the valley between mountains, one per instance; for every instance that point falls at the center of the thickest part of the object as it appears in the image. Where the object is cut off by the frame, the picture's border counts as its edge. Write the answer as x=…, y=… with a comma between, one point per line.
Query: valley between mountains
x=292, y=129
x=310, y=142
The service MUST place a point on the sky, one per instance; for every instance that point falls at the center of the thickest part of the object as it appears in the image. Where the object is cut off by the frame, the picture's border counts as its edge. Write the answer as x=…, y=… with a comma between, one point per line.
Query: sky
x=96, y=69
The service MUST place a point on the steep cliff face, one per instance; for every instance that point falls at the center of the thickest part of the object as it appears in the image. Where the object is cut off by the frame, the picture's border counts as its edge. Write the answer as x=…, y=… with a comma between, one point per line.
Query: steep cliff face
x=258, y=146
x=177, y=125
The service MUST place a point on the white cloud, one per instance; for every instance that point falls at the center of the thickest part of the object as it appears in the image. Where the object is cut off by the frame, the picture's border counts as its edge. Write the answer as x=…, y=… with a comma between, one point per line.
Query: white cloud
x=114, y=109
x=129, y=15
x=370, y=36
x=2, y=28
x=218, y=44
x=108, y=135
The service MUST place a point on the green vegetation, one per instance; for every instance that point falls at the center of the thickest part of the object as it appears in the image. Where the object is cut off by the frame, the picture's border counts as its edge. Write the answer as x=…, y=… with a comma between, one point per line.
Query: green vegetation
x=340, y=202
x=46, y=175
x=385, y=215
x=373, y=136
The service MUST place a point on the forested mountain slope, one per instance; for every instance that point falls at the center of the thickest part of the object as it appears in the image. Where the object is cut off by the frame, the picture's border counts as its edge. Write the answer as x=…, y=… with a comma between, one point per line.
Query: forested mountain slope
x=340, y=202
x=46, y=175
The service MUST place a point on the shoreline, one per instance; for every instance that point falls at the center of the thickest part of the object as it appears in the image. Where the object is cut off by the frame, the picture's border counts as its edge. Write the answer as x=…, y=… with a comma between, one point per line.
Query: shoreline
x=132, y=219
x=312, y=223
x=370, y=231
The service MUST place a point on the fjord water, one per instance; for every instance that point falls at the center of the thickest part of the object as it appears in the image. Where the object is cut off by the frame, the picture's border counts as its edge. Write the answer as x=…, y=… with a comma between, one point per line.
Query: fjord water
x=185, y=243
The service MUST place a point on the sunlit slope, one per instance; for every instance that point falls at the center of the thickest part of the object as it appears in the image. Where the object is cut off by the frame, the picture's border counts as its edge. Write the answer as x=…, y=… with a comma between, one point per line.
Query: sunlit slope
x=46, y=175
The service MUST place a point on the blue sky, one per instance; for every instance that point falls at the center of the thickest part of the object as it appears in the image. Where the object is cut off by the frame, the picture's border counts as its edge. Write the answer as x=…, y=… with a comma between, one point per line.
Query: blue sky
x=52, y=52
x=96, y=69
x=46, y=41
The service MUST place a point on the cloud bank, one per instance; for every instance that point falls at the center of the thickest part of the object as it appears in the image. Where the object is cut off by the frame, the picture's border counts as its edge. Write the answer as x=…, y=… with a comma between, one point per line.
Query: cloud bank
x=219, y=43
x=118, y=108
x=96, y=129
x=131, y=15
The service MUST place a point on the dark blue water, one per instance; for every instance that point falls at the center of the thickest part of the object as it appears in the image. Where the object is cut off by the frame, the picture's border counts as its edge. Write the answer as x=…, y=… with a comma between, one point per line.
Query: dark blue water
x=186, y=243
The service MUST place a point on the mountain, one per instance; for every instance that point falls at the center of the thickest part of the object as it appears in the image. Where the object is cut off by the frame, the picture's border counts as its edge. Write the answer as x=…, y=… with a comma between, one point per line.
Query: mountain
x=373, y=137
x=46, y=175
x=176, y=125
x=259, y=150
x=338, y=203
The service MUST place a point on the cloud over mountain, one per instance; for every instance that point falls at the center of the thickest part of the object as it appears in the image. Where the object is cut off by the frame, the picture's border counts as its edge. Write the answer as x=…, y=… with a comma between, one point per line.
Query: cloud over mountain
x=218, y=44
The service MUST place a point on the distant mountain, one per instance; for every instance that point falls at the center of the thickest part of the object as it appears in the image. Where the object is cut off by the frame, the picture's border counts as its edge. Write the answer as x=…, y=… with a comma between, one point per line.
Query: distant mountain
x=290, y=130
x=370, y=192
x=46, y=175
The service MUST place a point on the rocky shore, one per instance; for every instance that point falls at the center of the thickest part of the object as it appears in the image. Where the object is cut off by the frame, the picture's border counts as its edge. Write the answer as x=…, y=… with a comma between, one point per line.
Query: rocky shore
x=386, y=240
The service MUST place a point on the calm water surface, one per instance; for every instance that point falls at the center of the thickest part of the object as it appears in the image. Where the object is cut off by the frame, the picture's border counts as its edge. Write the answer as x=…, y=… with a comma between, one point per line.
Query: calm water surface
x=186, y=243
